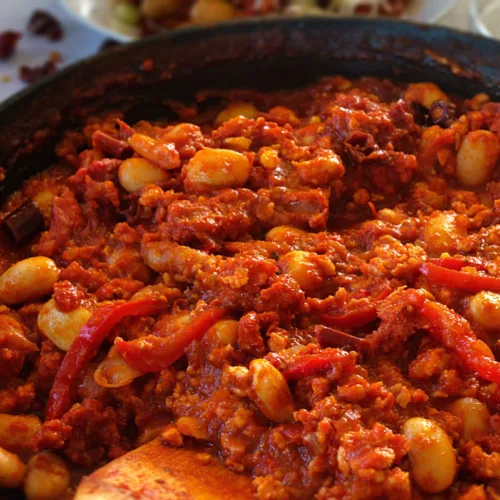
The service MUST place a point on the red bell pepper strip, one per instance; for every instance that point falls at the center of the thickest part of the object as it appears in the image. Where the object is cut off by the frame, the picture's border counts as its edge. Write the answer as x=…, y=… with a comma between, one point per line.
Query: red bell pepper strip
x=316, y=364
x=466, y=282
x=455, y=333
x=457, y=264
x=153, y=354
x=352, y=319
x=85, y=347
x=364, y=314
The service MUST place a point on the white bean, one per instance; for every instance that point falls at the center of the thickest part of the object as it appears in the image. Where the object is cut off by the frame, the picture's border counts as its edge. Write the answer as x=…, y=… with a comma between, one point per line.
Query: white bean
x=475, y=417
x=308, y=269
x=485, y=309
x=161, y=153
x=47, y=477
x=192, y=426
x=442, y=233
x=426, y=94
x=44, y=200
x=224, y=332
x=234, y=110
x=61, y=327
x=286, y=234
x=28, y=280
x=153, y=428
x=432, y=457
x=211, y=169
x=135, y=174
x=270, y=391
x=114, y=371
x=17, y=432
x=211, y=11
x=12, y=470
x=477, y=157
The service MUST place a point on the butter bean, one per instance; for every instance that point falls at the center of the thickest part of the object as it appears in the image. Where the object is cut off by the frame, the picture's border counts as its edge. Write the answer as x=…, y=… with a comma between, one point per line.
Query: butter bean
x=477, y=157
x=27, y=280
x=61, y=327
x=432, y=457
x=47, y=477
x=270, y=391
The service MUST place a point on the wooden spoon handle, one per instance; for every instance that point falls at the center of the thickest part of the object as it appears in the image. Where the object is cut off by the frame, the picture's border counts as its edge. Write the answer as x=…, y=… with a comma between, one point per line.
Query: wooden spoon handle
x=155, y=471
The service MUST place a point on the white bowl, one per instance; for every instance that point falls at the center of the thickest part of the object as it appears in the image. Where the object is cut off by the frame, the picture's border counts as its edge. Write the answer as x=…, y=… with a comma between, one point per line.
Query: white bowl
x=99, y=15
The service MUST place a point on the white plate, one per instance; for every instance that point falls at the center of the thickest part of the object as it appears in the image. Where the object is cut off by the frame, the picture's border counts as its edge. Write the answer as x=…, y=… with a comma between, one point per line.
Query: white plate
x=98, y=14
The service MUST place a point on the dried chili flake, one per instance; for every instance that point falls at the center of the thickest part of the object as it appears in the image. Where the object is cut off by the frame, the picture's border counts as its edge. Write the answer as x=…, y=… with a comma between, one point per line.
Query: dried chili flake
x=30, y=74
x=8, y=42
x=44, y=23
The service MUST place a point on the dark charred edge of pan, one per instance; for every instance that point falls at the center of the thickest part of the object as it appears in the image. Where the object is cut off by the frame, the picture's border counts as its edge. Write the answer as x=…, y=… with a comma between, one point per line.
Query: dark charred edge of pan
x=263, y=54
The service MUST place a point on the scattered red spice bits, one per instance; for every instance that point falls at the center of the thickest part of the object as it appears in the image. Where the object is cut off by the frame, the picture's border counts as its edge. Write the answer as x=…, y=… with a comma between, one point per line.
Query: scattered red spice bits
x=55, y=57
x=8, y=42
x=31, y=74
x=44, y=23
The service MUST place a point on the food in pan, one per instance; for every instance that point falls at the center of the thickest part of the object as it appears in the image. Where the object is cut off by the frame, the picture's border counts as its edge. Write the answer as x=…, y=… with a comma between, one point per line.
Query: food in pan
x=305, y=282
x=154, y=15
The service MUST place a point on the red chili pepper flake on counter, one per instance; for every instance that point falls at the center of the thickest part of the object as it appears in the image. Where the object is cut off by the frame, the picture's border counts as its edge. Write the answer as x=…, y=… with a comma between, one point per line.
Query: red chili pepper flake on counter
x=44, y=23
x=86, y=345
x=8, y=43
x=31, y=74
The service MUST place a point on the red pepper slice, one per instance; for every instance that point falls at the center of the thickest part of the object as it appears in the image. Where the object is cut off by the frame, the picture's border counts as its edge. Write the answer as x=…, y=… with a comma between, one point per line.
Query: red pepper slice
x=315, y=364
x=85, y=347
x=457, y=264
x=455, y=333
x=352, y=319
x=153, y=354
x=466, y=282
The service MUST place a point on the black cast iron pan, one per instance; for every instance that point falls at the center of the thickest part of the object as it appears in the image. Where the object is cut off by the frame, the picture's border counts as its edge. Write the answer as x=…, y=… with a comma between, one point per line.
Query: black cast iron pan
x=262, y=54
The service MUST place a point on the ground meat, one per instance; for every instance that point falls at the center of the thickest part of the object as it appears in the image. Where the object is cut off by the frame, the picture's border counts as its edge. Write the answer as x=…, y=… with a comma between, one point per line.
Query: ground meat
x=296, y=279
x=17, y=399
x=205, y=222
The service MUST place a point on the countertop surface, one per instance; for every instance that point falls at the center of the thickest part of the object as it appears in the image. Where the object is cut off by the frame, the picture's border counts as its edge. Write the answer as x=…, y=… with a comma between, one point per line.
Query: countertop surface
x=80, y=41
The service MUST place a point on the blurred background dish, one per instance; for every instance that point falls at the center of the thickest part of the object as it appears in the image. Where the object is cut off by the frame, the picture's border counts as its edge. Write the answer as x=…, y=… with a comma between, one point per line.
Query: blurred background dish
x=90, y=25
x=485, y=17
x=126, y=20
x=101, y=16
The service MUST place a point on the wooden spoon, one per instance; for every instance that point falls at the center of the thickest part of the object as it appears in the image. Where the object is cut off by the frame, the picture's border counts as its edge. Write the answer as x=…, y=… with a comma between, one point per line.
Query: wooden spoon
x=156, y=471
